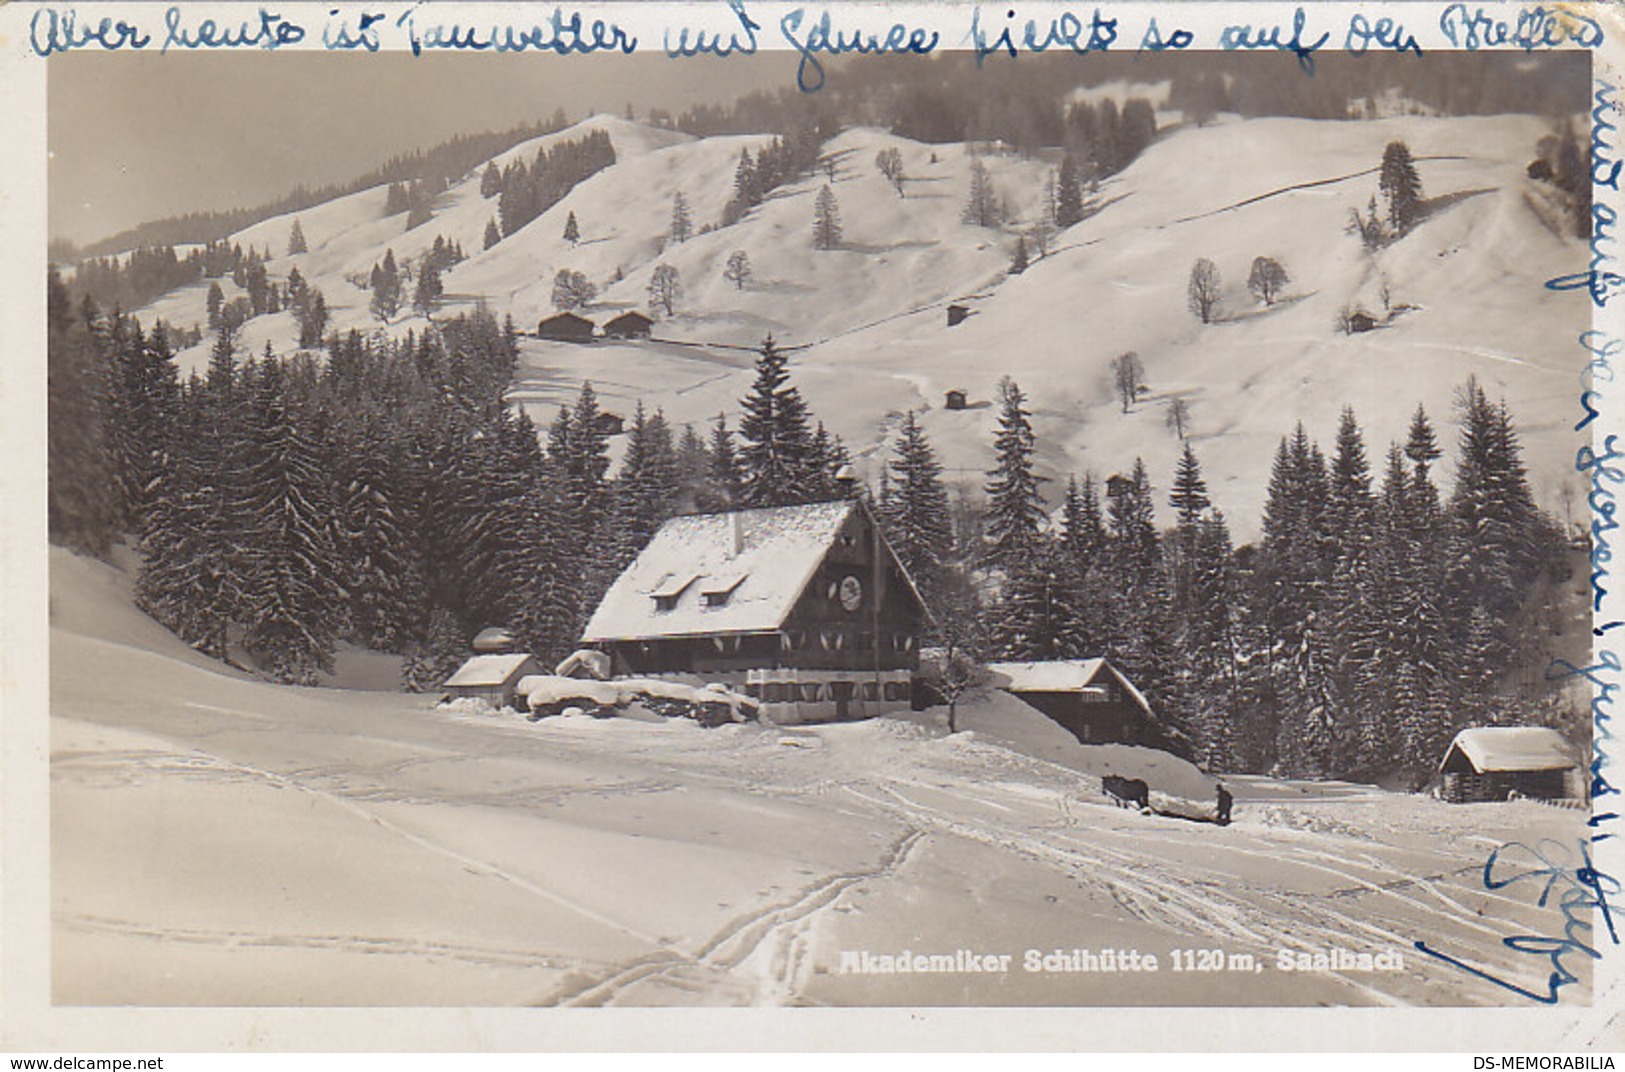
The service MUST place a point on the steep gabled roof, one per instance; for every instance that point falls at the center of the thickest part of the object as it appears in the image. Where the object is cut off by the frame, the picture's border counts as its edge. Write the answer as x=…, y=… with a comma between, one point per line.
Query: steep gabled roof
x=748, y=588
x=1061, y=675
x=1511, y=748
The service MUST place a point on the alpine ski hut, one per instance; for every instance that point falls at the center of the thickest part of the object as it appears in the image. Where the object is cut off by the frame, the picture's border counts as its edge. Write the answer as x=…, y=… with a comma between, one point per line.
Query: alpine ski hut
x=1494, y=762
x=803, y=608
x=1091, y=699
x=492, y=678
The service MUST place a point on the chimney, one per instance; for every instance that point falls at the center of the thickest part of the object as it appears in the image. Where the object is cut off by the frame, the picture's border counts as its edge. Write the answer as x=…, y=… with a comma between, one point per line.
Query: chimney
x=736, y=529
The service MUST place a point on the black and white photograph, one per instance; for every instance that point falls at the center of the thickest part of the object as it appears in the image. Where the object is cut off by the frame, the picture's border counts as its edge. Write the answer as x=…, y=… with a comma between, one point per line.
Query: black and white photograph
x=874, y=531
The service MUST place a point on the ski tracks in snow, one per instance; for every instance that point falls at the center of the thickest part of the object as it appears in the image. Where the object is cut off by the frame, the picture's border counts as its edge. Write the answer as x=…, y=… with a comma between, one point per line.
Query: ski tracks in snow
x=759, y=957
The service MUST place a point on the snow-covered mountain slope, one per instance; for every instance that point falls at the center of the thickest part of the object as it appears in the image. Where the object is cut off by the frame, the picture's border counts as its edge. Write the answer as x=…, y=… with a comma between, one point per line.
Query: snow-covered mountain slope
x=288, y=846
x=871, y=314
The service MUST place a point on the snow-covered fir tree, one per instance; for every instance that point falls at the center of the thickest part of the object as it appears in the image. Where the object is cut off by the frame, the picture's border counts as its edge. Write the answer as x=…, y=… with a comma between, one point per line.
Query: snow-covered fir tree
x=776, y=461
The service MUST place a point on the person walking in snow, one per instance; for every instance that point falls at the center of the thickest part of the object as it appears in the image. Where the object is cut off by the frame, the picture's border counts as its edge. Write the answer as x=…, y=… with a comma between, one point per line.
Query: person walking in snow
x=1225, y=800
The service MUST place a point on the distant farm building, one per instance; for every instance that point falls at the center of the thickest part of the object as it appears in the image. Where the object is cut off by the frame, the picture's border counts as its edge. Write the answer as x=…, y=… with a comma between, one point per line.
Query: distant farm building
x=609, y=424
x=629, y=325
x=957, y=314
x=1361, y=322
x=492, y=678
x=803, y=608
x=1090, y=699
x=1496, y=762
x=1118, y=485
x=956, y=399
x=566, y=327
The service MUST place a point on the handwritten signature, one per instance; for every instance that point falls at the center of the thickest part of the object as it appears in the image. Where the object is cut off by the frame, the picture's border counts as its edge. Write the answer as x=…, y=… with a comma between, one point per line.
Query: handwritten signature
x=1551, y=867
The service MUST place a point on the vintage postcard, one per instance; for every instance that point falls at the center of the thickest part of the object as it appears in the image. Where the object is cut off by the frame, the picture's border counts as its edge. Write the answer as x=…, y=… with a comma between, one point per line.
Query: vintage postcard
x=965, y=526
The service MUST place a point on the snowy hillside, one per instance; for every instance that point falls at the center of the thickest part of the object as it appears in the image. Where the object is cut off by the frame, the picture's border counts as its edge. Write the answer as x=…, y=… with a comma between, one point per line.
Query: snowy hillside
x=871, y=314
x=287, y=846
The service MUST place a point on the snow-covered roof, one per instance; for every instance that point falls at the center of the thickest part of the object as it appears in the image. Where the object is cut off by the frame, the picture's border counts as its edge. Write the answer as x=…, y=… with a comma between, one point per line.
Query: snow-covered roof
x=1512, y=748
x=1059, y=675
x=493, y=639
x=778, y=550
x=487, y=670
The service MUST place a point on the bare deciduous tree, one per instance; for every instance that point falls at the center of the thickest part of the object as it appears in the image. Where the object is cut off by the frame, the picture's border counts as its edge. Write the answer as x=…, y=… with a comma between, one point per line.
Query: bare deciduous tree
x=665, y=289
x=1203, y=292
x=1127, y=373
x=1267, y=279
x=1179, y=417
x=890, y=163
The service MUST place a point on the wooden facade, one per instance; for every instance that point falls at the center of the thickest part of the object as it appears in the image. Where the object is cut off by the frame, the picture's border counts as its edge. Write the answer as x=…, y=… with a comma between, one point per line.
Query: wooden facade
x=846, y=643
x=1091, y=700
x=566, y=327
x=629, y=325
x=1493, y=763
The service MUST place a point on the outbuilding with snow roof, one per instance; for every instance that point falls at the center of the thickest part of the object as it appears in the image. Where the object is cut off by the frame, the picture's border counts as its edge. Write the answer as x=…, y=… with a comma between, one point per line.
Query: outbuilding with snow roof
x=804, y=608
x=1496, y=762
x=1091, y=699
x=492, y=678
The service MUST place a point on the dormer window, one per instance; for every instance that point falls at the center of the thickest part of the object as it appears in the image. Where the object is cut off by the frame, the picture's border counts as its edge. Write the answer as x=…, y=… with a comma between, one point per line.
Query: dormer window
x=716, y=591
x=671, y=589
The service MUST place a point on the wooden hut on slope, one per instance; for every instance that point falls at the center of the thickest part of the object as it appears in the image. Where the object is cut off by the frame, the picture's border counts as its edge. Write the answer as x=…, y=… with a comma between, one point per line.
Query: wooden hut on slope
x=1496, y=762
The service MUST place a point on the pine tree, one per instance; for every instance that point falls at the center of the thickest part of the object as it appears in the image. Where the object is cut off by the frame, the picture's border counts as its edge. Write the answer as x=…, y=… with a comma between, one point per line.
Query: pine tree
x=82, y=509
x=1400, y=184
x=492, y=235
x=143, y=397
x=646, y=488
x=490, y=181
x=1140, y=641
x=826, y=220
x=725, y=476
x=1068, y=194
x=982, y=203
x=775, y=460
x=429, y=290
x=291, y=583
x=1190, y=501
x=682, y=228
x=572, y=230
x=386, y=288
x=919, y=526
x=215, y=301
x=1018, y=259
x=377, y=564
x=296, y=239
x=1015, y=507
x=1291, y=579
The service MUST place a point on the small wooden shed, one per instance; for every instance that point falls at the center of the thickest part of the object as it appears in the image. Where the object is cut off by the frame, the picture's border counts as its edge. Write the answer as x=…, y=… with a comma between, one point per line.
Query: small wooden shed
x=1362, y=322
x=1495, y=762
x=609, y=424
x=566, y=327
x=492, y=678
x=629, y=325
x=956, y=399
x=957, y=314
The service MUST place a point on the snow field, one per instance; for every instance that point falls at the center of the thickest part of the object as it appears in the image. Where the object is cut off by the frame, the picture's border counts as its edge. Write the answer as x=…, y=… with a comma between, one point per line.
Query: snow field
x=279, y=845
